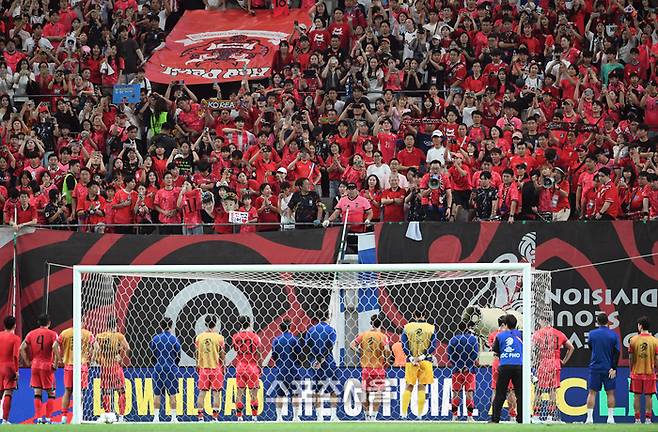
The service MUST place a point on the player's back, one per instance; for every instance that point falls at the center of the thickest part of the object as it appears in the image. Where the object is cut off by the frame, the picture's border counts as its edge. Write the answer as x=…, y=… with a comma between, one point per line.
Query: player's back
x=602, y=342
x=209, y=345
x=246, y=345
x=166, y=349
x=321, y=339
x=286, y=349
x=372, y=344
x=463, y=352
x=40, y=342
x=9, y=347
x=66, y=342
x=547, y=342
x=490, y=342
x=109, y=348
x=419, y=337
x=644, y=348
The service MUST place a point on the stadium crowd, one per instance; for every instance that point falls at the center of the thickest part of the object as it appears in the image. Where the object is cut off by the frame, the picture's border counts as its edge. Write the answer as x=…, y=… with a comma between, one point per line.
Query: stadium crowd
x=393, y=110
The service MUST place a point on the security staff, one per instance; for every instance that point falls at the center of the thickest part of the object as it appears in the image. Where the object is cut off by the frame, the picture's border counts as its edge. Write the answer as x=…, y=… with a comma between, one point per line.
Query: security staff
x=508, y=347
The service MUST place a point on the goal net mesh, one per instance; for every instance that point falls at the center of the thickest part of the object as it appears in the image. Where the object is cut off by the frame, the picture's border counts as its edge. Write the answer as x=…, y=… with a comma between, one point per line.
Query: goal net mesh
x=137, y=303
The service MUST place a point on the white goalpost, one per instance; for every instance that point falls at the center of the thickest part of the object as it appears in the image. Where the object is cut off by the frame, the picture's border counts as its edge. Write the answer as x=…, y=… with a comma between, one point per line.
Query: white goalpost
x=136, y=299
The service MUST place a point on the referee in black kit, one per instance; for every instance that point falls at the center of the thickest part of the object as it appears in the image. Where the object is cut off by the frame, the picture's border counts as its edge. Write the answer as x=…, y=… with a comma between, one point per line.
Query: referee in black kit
x=508, y=346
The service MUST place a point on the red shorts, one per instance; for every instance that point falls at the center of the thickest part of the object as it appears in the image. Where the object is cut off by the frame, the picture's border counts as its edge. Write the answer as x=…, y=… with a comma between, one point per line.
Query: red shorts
x=548, y=378
x=247, y=375
x=112, y=377
x=373, y=379
x=643, y=384
x=43, y=378
x=494, y=379
x=463, y=380
x=210, y=379
x=68, y=376
x=8, y=377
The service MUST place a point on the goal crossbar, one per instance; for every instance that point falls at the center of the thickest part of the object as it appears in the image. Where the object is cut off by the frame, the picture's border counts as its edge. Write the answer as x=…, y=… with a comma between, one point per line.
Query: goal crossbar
x=442, y=271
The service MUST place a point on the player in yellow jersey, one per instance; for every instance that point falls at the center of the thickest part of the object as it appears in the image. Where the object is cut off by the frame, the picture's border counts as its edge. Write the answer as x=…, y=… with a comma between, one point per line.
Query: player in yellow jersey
x=419, y=343
x=110, y=350
x=210, y=355
x=643, y=355
x=66, y=344
x=375, y=352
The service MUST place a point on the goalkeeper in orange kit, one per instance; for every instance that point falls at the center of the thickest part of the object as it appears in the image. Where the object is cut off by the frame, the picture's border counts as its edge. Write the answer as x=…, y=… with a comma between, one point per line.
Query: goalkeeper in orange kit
x=374, y=350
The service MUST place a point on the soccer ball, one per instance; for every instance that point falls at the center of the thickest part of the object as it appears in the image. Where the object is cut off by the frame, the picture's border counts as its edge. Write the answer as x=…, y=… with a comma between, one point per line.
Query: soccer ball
x=107, y=418
x=485, y=320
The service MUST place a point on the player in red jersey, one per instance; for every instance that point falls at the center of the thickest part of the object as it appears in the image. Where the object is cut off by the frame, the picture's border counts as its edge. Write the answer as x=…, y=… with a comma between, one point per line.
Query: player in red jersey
x=511, y=398
x=9, y=347
x=247, y=366
x=41, y=349
x=547, y=343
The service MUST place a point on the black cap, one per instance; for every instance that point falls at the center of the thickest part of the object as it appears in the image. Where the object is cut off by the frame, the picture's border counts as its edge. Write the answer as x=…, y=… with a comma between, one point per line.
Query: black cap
x=351, y=185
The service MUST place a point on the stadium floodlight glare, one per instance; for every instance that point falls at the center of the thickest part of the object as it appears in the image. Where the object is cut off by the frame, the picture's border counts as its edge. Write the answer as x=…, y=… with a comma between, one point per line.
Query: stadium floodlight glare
x=139, y=297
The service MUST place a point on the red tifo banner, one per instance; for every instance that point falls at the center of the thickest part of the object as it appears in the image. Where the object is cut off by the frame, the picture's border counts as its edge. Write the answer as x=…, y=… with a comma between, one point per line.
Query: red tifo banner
x=217, y=46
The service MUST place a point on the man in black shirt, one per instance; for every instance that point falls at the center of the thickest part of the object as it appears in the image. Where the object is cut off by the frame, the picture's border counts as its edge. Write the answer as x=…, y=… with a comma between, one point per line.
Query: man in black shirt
x=129, y=51
x=55, y=210
x=305, y=205
x=165, y=139
x=529, y=197
x=153, y=37
x=45, y=128
x=485, y=198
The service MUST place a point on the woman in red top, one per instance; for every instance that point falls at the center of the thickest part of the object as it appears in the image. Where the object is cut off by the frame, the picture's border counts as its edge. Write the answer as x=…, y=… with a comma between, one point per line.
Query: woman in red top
x=268, y=210
x=499, y=141
x=630, y=194
x=57, y=86
x=569, y=78
x=476, y=82
x=252, y=212
x=372, y=192
x=112, y=68
x=283, y=57
x=143, y=207
x=336, y=165
x=144, y=169
x=366, y=152
x=344, y=139
x=244, y=186
x=533, y=44
x=428, y=111
x=47, y=183
x=24, y=183
x=356, y=172
x=502, y=84
x=393, y=77
x=93, y=63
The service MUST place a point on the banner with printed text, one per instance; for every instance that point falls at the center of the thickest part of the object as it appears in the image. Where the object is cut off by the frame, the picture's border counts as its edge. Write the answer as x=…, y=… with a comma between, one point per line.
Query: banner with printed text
x=606, y=267
x=571, y=396
x=213, y=46
x=67, y=248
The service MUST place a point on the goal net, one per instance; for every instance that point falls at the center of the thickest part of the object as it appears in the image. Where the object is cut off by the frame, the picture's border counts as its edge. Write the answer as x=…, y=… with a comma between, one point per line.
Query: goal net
x=133, y=301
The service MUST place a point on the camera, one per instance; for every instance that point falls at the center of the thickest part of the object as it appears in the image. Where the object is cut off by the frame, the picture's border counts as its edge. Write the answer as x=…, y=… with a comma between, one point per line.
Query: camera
x=206, y=197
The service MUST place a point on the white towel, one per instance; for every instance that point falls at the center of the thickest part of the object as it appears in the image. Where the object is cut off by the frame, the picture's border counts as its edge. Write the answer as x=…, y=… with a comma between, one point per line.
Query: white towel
x=413, y=231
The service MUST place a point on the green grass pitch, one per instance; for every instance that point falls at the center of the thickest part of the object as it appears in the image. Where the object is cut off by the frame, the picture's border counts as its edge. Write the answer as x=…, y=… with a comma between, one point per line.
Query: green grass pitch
x=383, y=426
